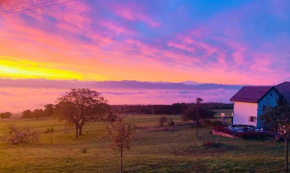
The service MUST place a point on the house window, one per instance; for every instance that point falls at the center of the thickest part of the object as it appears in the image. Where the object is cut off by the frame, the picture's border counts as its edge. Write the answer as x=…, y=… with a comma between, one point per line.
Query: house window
x=252, y=119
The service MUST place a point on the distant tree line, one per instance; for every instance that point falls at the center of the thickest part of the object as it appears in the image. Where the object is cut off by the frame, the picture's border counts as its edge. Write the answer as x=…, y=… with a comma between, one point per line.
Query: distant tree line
x=38, y=113
x=176, y=108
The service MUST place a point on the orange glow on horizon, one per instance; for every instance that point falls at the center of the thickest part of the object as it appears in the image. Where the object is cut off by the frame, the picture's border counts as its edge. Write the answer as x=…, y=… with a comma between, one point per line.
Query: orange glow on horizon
x=16, y=68
x=75, y=41
x=24, y=69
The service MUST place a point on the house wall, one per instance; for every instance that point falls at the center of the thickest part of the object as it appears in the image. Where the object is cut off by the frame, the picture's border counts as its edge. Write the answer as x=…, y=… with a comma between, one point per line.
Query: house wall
x=268, y=100
x=243, y=111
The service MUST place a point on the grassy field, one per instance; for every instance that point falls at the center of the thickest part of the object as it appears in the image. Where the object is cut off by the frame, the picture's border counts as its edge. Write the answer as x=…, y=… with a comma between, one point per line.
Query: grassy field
x=152, y=151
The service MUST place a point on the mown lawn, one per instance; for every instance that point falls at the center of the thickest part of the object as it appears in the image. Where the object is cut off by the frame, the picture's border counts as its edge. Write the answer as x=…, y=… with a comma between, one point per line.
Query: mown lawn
x=152, y=151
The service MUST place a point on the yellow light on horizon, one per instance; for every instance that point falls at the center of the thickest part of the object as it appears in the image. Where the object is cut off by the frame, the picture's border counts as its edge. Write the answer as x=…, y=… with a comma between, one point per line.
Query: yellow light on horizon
x=23, y=69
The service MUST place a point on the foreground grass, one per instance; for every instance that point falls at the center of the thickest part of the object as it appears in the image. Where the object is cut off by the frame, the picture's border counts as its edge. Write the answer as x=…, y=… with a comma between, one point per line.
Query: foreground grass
x=152, y=151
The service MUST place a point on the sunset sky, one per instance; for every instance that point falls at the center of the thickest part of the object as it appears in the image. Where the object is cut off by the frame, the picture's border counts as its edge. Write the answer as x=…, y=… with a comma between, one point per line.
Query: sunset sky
x=229, y=42
x=206, y=41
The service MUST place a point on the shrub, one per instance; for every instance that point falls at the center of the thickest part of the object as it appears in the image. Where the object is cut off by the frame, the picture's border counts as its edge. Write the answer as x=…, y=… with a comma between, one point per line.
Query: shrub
x=171, y=122
x=201, y=122
x=19, y=134
x=111, y=117
x=162, y=120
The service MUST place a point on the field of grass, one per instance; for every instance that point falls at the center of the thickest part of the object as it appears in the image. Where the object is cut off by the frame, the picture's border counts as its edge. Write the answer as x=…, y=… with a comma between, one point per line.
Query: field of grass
x=152, y=151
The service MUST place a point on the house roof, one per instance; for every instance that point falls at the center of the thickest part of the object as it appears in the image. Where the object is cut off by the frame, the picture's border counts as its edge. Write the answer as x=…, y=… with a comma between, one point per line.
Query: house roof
x=251, y=94
x=284, y=89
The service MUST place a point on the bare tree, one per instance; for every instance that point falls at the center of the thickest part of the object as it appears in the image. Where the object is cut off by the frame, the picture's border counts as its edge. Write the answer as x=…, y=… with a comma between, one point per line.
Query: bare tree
x=277, y=119
x=121, y=133
x=15, y=134
x=80, y=106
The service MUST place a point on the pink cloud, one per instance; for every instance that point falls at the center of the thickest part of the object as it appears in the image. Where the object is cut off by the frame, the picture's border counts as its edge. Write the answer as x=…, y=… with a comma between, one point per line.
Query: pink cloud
x=83, y=39
x=134, y=12
x=116, y=28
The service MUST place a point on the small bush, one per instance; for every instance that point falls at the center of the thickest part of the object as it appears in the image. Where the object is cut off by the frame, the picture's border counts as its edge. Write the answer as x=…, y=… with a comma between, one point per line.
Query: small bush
x=111, y=117
x=162, y=120
x=201, y=122
x=19, y=134
x=171, y=122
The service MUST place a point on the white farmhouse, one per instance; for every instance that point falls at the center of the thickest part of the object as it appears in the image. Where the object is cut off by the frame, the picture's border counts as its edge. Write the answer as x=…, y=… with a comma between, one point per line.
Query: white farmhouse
x=250, y=102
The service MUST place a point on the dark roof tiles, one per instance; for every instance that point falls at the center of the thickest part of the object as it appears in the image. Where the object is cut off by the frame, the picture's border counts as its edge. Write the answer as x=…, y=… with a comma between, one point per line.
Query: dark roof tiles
x=284, y=89
x=251, y=94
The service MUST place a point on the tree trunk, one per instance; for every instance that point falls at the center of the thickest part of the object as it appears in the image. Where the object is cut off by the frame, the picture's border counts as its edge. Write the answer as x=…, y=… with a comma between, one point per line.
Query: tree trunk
x=121, y=160
x=51, y=138
x=81, y=127
x=81, y=130
x=197, y=124
x=77, y=131
x=286, y=155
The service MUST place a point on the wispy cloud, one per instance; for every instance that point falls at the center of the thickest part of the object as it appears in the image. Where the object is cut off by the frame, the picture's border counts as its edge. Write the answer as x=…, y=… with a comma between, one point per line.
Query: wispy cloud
x=233, y=43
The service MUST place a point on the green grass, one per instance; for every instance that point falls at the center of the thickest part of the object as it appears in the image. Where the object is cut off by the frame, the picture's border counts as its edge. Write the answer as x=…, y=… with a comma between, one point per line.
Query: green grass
x=157, y=151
